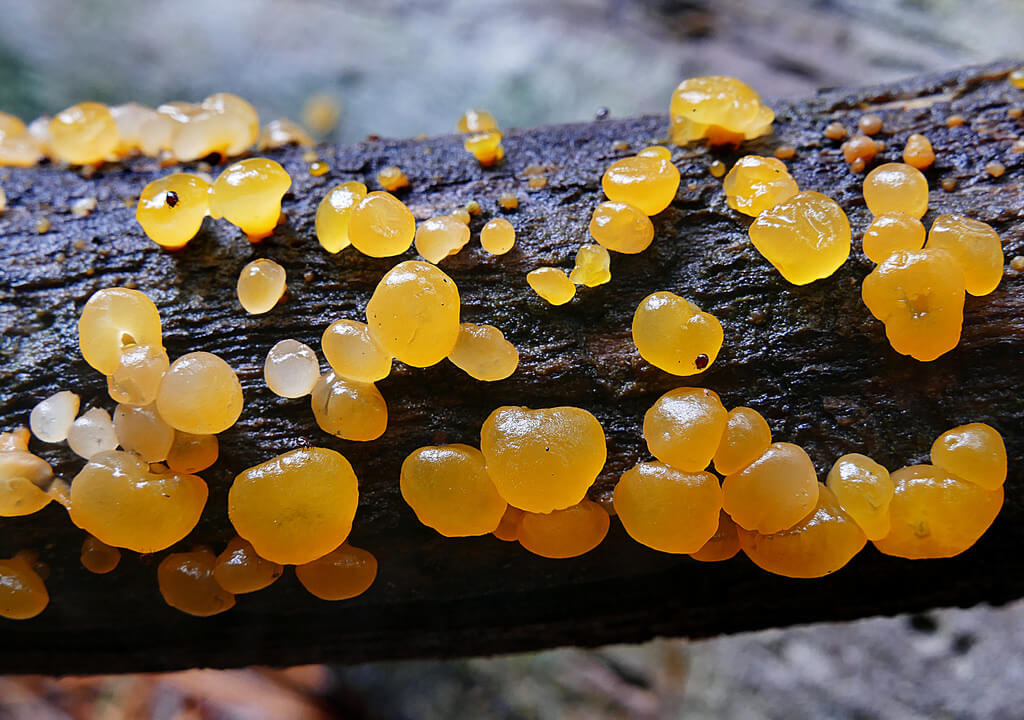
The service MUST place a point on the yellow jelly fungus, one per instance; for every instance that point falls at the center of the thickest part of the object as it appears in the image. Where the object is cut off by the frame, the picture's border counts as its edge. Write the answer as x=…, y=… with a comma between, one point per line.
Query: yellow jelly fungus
x=647, y=183
x=684, y=428
x=724, y=544
x=334, y=213
x=508, y=201
x=564, y=533
x=859, y=149
x=621, y=227
x=121, y=502
x=317, y=168
x=91, y=433
x=240, y=570
x=974, y=452
x=22, y=592
x=142, y=431
x=226, y=124
x=414, y=313
x=282, y=132
x=819, y=544
x=667, y=509
x=112, y=320
x=448, y=488
x=656, y=151
x=296, y=507
x=498, y=236
x=543, y=460
x=719, y=108
x=592, y=266
x=200, y=394
x=98, y=557
x=343, y=573
x=439, y=237
x=746, y=437
x=135, y=126
x=260, y=285
x=483, y=353
x=138, y=376
x=84, y=134
x=51, y=418
x=1016, y=78
x=806, y=237
x=716, y=168
x=171, y=209
x=757, y=183
x=22, y=476
x=348, y=409
x=17, y=146
x=675, y=335
x=995, y=168
x=865, y=490
x=380, y=225
x=475, y=121
x=353, y=353
x=192, y=453
x=392, y=178
x=248, y=195
x=291, y=369
x=918, y=152
x=919, y=296
x=552, y=284
x=870, y=124
x=937, y=514
x=3, y=200
x=474, y=208
x=976, y=247
x=187, y=583
x=485, y=147
x=896, y=187
x=890, y=232
x=774, y=492
x=508, y=528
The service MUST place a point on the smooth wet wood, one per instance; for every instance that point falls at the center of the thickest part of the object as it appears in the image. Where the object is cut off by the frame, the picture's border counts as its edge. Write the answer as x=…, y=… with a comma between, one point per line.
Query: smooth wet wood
x=811, y=359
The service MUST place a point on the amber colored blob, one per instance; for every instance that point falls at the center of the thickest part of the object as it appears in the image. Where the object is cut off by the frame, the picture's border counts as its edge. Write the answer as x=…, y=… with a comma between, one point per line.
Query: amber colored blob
x=448, y=488
x=684, y=428
x=621, y=227
x=864, y=489
x=187, y=583
x=543, y=460
x=821, y=543
x=248, y=195
x=348, y=409
x=84, y=134
x=200, y=394
x=675, y=335
x=667, y=509
x=439, y=237
x=918, y=152
x=22, y=476
x=511, y=521
x=757, y=183
x=297, y=506
x=339, y=575
x=380, y=225
x=98, y=557
x=333, y=215
x=974, y=452
x=724, y=544
x=239, y=569
x=22, y=592
x=564, y=533
x=552, y=284
x=192, y=453
x=414, y=313
x=172, y=209
x=774, y=492
x=746, y=437
x=118, y=500
x=647, y=183
x=976, y=247
x=112, y=320
x=937, y=514
x=896, y=187
x=498, y=236
x=352, y=352
x=919, y=297
x=483, y=353
x=890, y=232
x=806, y=237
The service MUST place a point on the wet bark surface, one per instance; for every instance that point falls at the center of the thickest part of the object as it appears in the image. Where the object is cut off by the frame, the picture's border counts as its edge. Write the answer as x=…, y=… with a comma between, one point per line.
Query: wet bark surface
x=811, y=359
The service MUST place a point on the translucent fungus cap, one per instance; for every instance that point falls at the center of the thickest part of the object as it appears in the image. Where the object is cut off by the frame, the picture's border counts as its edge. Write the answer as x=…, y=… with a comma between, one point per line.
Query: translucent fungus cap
x=380, y=225
x=896, y=187
x=239, y=569
x=22, y=592
x=333, y=215
x=349, y=409
x=448, y=488
x=483, y=353
x=172, y=209
x=341, y=574
x=248, y=194
x=976, y=247
x=684, y=428
x=112, y=320
x=119, y=500
x=716, y=100
x=187, y=583
x=647, y=183
x=675, y=335
x=806, y=237
x=353, y=353
x=564, y=533
x=296, y=507
x=498, y=236
x=51, y=419
x=439, y=237
x=975, y=452
x=757, y=183
x=621, y=227
x=200, y=394
x=864, y=489
x=84, y=134
x=746, y=437
x=291, y=369
x=552, y=284
x=543, y=460
x=261, y=284
x=774, y=492
x=890, y=232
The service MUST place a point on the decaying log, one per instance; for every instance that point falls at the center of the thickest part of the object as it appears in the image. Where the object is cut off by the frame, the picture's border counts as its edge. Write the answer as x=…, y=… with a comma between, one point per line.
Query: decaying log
x=810, y=358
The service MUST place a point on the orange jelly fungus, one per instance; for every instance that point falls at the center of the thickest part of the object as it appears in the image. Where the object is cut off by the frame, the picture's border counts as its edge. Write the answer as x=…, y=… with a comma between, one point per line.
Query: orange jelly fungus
x=341, y=574
x=187, y=583
x=564, y=533
x=239, y=569
x=684, y=428
x=774, y=492
x=296, y=507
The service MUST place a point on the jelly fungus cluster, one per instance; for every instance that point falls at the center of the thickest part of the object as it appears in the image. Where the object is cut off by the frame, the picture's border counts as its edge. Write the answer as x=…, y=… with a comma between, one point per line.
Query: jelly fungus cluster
x=721, y=109
x=917, y=289
x=483, y=137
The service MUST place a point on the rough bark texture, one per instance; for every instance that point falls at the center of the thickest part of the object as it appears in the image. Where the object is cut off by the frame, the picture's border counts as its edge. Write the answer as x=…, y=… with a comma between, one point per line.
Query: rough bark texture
x=810, y=358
